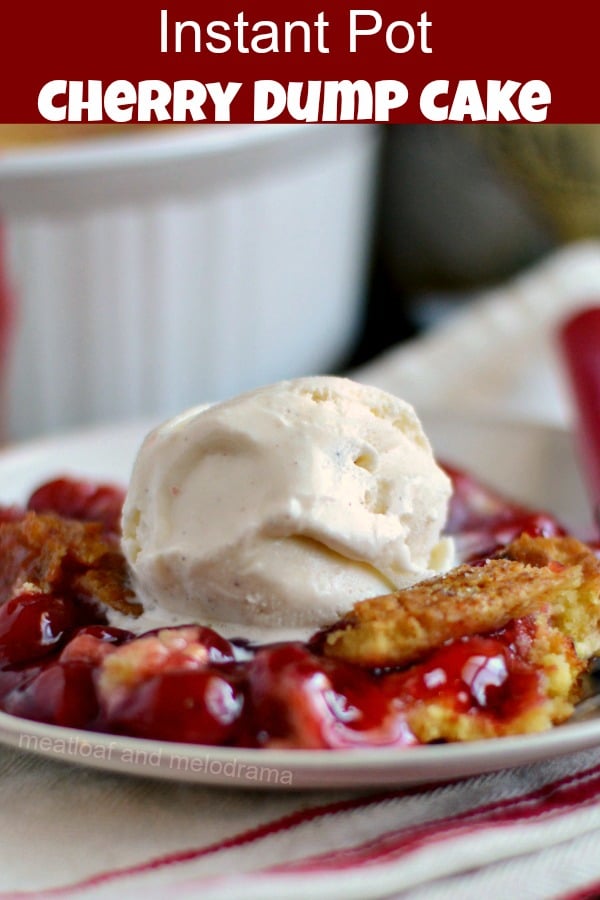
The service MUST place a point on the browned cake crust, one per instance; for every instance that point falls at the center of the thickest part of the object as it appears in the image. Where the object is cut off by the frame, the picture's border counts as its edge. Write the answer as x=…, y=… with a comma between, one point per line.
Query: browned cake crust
x=553, y=584
x=544, y=551
x=50, y=552
x=575, y=610
x=399, y=628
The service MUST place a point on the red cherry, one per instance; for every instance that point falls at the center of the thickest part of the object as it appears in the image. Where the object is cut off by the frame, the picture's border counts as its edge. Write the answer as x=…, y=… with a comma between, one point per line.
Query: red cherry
x=198, y=706
x=219, y=649
x=82, y=500
x=474, y=675
x=61, y=694
x=535, y=524
x=300, y=700
x=489, y=539
x=475, y=506
x=32, y=625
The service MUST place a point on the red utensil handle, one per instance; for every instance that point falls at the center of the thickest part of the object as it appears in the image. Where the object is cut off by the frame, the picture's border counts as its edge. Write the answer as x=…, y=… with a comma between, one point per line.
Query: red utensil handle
x=579, y=337
x=6, y=334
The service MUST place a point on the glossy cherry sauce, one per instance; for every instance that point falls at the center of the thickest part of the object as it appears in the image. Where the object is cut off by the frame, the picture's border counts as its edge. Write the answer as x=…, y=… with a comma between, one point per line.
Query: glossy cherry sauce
x=61, y=663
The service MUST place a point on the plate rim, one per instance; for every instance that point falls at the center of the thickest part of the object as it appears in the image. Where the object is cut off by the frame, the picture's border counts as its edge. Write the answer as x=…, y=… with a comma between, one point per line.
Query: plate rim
x=305, y=769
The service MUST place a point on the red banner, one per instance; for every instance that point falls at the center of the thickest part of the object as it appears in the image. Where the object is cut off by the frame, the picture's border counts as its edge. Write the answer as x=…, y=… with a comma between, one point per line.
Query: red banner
x=264, y=61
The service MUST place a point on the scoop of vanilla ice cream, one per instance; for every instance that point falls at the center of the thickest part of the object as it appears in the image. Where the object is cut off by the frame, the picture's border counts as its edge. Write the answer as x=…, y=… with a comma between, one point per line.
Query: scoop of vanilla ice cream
x=275, y=511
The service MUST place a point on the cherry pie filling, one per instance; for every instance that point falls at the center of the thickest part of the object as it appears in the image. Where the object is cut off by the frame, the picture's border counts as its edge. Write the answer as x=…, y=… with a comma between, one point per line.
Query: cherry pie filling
x=61, y=663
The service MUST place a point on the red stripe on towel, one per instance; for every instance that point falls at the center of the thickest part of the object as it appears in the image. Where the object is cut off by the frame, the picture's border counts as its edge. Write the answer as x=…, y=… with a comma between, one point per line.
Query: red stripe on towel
x=549, y=801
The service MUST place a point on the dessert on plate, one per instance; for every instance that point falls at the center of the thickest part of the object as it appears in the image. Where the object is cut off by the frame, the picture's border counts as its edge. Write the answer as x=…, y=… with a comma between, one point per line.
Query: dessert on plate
x=293, y=568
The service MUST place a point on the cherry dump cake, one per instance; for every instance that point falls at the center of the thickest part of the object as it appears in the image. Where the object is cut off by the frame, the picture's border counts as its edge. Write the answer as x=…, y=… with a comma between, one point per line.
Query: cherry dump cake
x=293, y=568
x=497, y=645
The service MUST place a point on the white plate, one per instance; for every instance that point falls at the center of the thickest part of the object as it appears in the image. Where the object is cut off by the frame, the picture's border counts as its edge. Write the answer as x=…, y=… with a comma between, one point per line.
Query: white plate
x=533, y=463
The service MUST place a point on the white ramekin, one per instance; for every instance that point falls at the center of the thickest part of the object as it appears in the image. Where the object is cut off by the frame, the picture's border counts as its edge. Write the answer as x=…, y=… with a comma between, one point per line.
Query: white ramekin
x=158, y=270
